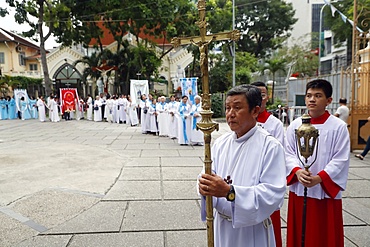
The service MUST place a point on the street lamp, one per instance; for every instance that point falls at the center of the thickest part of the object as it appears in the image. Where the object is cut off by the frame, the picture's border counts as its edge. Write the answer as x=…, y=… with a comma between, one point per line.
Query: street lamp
x=320, y=28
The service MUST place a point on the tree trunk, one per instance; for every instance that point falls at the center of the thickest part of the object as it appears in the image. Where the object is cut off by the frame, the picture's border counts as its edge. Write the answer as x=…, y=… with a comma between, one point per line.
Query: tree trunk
x=44, y=64
x=273, y=88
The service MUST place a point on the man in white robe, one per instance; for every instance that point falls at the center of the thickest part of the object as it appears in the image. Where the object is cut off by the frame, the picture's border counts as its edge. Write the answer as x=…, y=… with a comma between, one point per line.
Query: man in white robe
x=41, y=108
x=97, y=109
x=196, y=136
x=122, y=103
x=248, y=180
x=54, y=111
x=89, y=107
x=144, y=113
x=183, y=120
x=162, y=117
x=109, y=109
x=172, y=107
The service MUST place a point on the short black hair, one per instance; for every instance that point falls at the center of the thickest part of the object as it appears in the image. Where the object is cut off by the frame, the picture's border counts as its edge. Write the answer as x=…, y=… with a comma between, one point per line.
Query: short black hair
x=260, y=84
x=252, y=95
x=184, y=96
x=343, y=100
x=321, y=84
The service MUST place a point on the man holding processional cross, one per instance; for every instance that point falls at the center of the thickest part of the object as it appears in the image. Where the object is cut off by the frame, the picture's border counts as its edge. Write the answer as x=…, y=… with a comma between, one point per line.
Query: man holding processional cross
x=243, y=205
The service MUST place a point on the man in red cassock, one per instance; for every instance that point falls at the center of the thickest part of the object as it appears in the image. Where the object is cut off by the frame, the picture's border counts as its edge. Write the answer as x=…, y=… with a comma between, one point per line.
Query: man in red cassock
x=326, y=179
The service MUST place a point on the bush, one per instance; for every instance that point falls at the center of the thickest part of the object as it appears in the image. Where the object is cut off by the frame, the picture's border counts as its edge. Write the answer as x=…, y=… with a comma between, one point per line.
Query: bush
x=216, y=105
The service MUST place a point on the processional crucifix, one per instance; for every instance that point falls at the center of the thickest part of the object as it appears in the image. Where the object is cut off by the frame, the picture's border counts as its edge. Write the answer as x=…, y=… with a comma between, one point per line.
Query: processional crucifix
x=206, y=125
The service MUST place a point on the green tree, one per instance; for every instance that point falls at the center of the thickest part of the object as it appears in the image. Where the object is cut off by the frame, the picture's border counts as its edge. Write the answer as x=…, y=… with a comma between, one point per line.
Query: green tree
x=264, y=25
x=274, y=64
x=300, y=58
x=39, y=13
x=221, y=71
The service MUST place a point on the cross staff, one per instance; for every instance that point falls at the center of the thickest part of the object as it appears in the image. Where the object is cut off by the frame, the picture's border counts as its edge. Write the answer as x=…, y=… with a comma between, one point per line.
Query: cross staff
x=206, y=125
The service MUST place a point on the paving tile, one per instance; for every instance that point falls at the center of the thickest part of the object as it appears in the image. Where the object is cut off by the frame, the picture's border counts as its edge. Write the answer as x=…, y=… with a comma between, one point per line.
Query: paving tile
x=13, y=231
x=46, y=241
x=164, y=215
x=357, y=188
x=102, y=217
x=135, y=190
x=358, y=235
x=140, y=173
x=180, y=173
x=358, y=207
x=142, y=162
x=350, y=220
x=180, y=190
x=187, y=238
x=159, y=153
x=44, y=207
x=363, y=172
x=144, y=146
x=192, y=153
x=132, y=239
x=181, y=161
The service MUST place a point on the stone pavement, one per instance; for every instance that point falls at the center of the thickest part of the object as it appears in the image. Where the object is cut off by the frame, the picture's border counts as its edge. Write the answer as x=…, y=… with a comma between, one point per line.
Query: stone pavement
x=81, y=183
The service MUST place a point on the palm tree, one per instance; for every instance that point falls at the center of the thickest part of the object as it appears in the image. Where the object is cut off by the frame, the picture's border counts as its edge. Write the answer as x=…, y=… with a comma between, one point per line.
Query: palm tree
x=274, y=65
x=90, y=62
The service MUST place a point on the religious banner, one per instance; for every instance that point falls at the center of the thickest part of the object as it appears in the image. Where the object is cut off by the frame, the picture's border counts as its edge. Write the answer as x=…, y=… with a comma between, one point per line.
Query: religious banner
x=18, y=94
x=138, y=88
x=68, y=99
x=189, y=87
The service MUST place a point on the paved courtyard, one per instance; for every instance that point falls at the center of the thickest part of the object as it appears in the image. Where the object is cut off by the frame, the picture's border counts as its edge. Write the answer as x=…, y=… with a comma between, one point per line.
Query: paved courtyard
x=82, y=183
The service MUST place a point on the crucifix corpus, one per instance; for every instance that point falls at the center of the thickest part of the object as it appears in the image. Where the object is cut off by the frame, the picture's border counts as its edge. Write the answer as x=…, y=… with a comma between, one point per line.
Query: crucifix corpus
x=104, y=69
x=206, y=125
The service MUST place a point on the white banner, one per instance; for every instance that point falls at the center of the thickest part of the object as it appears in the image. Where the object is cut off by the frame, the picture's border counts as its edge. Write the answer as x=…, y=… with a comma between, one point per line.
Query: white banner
x=189, y=87
x=138, y=88
x=18, y=94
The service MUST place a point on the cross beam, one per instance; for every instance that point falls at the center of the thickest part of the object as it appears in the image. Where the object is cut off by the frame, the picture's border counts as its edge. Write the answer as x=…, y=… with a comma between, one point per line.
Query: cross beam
x=206, y=125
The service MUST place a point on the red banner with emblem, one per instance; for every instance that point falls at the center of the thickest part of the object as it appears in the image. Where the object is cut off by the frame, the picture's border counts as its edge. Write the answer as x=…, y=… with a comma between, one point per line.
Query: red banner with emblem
x=69, y=99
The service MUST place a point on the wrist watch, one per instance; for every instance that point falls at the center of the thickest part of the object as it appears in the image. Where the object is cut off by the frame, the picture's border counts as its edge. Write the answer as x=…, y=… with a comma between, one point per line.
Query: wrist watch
x=231, y=194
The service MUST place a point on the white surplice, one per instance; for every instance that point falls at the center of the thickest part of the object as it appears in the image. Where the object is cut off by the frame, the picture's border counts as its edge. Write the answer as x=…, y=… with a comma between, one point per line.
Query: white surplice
x=172, y=119
x=275, y=127
x=132, y=114
x=162, y=119
x=41, y=108
x=255, y=162
x=196, y=136
x=109, y=109
x=333, y=145
x=151, y=119
x=54, y=111
x=89, y=108
x=183, y=123
x=97, y=113
x=143, y=117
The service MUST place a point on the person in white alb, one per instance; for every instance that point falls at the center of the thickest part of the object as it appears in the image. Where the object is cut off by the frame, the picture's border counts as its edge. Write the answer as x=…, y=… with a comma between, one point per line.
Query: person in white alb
x=196, y=136
x=41, y=108
x=275, y=127
x=144, y=113
x=248, y=180
x=183, y=121
x=162, y=117
x=172, y=107
x=89, y=107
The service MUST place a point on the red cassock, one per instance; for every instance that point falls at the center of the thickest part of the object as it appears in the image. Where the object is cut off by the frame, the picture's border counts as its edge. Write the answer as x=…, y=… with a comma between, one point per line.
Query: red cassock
x=324, y=221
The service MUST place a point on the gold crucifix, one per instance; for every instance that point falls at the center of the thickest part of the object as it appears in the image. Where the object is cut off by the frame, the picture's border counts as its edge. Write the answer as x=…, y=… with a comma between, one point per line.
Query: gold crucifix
x=206, y=125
